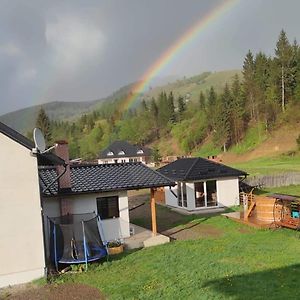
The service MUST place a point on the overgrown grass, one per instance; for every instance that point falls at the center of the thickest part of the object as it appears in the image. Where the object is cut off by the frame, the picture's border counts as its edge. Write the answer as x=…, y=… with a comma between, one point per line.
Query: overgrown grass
x=289, y=190
x=254, y=137
x=207, y=149
x=243, y=263
x=270, y=165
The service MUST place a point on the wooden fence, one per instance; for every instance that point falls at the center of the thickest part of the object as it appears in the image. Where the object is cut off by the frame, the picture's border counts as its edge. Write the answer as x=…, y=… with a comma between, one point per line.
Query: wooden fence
x=277, y=180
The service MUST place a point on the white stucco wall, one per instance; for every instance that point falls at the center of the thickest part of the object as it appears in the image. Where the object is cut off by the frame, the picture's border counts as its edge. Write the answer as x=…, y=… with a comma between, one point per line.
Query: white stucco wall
x=228, y=191
x=111, y=228
x=21, y=234
x=171, y=200
x=227, y=194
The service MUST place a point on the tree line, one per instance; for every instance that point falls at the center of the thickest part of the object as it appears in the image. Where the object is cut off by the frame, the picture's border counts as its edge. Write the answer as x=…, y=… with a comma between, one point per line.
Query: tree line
x=267, y=92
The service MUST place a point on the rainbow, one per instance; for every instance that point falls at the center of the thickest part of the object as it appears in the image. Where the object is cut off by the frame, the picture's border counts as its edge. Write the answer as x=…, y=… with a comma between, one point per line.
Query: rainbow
x=172, y=52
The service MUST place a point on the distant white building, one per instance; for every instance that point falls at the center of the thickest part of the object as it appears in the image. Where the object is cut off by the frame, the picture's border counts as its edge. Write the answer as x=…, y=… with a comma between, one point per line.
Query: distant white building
x=123, y=152
x=201, y=184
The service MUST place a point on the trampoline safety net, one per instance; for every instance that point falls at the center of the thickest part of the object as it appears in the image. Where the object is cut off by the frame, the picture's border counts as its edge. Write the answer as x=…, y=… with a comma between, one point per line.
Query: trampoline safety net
x=75, y=238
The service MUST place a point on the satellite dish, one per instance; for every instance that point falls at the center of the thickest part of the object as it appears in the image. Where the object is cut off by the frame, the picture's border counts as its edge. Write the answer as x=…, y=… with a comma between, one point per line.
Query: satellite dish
x=39, y=140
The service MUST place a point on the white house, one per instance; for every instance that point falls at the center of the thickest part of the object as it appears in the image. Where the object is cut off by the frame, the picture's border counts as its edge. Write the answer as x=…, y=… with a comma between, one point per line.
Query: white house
x=201, y=184
x=122, y=151
x=35, y=187
x=21, y=231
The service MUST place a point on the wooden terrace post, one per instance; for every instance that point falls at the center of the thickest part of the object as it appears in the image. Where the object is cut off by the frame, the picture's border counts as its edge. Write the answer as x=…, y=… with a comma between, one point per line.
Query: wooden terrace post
x=153, y=212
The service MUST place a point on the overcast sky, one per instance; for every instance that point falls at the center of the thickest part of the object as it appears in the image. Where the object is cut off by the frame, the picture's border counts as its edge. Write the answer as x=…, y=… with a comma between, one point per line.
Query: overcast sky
x=78, y=50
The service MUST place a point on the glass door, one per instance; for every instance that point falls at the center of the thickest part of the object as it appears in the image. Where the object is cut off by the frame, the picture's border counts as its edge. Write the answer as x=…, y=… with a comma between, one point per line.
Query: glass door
x=199, y=194
x=211, y=193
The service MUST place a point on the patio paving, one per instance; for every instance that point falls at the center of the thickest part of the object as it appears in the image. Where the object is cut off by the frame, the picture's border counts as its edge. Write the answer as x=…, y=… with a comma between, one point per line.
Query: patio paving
x=143, y=237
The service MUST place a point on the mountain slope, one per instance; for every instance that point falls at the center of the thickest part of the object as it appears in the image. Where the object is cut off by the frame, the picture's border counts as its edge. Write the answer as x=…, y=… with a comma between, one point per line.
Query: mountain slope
x=191, y=87
x=23, y=120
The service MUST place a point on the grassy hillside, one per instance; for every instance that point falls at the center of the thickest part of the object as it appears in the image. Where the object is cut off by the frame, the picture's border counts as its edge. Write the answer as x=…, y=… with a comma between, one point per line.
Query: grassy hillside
x=191, y=87
x=24, y=119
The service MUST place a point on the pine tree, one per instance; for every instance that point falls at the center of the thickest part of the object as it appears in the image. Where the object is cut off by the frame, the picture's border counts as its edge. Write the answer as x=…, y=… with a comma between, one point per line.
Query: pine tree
x=202, y=101
x=296, y=73
x=237, y=110
x=162, y=110
x=221, y=129
x=43, y=123
x=154, y=116
x=211, y=108
x=181, y=107
x=284, y=55
x=249, y=84
x=171, y=108
x=144, y=106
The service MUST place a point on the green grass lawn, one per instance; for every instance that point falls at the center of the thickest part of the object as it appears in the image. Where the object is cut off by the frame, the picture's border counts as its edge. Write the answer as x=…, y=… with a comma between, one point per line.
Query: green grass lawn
x=270, y=165
x=289, y=190
x=241, y=263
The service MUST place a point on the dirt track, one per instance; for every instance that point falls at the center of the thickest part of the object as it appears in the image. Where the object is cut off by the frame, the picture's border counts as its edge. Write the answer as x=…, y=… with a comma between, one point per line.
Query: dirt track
x=68, y=291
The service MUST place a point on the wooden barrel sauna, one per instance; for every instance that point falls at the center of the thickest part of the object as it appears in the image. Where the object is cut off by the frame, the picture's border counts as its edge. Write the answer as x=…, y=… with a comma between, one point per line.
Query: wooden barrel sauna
x=264, y=209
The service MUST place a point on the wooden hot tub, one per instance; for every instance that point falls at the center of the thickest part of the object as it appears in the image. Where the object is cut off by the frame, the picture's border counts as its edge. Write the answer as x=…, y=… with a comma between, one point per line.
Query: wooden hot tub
x=264, y=209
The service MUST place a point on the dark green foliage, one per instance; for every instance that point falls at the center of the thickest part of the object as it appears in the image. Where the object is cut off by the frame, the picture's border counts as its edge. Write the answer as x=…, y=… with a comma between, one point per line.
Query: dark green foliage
x=221, y=131
x=181, y=107
x=202, y=101
x=267, y=93
x=156, y=155
x=43, y=123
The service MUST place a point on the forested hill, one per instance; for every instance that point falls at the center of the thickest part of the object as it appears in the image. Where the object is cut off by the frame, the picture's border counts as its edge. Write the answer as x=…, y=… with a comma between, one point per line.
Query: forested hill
x=200, y=114
x=24, y=120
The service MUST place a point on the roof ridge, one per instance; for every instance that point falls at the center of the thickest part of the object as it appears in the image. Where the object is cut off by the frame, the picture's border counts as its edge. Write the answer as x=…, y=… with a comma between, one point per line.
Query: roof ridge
x=191, y=167
x=164, y=176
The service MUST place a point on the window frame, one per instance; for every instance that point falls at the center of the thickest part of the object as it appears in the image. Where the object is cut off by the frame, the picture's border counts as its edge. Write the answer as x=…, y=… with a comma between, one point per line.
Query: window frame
x=110, y=209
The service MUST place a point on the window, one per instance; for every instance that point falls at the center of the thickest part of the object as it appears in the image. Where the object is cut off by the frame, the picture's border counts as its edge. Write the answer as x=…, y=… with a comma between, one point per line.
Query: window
x=121, y=152
x=130, y=160
x=181, y=194
x=140, y=151
x=211, y=190
x=179, y=198
x=206, y=194
x=199, y=194
x=108, y=207
x=184, y=198
x=110, y=153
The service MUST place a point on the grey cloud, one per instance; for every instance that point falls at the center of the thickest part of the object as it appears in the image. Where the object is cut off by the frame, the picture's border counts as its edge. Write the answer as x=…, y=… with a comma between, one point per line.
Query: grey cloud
x=85, y=49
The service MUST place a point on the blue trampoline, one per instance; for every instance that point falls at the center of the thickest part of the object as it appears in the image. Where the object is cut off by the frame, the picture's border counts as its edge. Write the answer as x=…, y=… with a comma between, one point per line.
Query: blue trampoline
x=75, y=239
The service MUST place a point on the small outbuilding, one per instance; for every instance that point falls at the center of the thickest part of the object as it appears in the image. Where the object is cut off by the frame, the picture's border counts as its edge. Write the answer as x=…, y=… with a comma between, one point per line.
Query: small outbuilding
x=201, y=184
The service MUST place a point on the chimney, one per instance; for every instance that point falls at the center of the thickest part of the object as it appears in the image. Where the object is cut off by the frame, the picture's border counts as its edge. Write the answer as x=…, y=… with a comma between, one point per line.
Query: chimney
x=64, y=182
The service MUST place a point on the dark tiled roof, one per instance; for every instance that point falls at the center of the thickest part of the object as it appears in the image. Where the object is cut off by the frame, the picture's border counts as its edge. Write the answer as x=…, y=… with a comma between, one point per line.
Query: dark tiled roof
x=43, y=159
x=105, y=178
x=129, y=150
x=188, y=169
